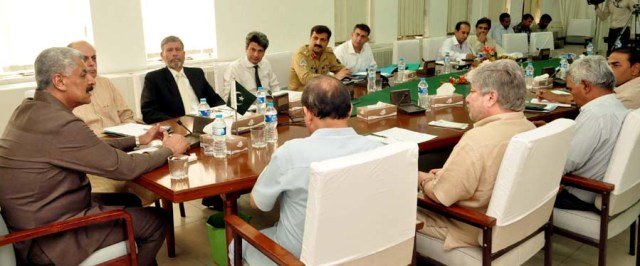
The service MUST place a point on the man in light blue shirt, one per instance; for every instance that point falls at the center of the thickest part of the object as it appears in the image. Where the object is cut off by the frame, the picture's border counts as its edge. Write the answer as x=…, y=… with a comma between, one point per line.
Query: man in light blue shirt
x=598, y=125
x=503, y=28
x=327, y=107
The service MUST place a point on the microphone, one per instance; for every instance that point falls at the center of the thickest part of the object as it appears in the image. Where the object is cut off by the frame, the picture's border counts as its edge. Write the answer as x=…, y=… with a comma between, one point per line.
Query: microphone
x=183, y=126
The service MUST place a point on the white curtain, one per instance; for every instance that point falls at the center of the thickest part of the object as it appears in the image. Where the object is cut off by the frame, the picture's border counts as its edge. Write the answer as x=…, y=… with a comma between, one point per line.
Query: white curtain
x=348, y=13
x=411, y=17
x=458, y=11
x=579, y=9
x=496, y=7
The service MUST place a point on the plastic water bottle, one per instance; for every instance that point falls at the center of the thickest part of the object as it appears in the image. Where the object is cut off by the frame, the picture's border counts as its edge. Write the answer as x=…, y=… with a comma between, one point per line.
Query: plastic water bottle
x=261, y=101
x=528, y=75
x=219, y=137
x=564, y=65
x=371, y=78
x=271, y=119
x=617, y=44
x=590, y=48
x=423, y=94
x=203, y=108
x=447, y=63
x=401, y=68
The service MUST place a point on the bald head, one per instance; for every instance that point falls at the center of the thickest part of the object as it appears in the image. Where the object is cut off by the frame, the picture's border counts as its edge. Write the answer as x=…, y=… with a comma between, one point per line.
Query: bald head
x=327, y=98
x=89, y=56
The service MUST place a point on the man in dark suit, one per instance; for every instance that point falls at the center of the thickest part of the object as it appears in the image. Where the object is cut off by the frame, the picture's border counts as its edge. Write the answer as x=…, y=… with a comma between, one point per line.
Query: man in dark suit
x=174, y=90
x=45, y=153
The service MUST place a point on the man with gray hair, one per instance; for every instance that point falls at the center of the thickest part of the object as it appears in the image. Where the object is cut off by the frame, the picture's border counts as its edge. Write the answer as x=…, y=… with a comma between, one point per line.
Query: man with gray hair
x=45, y=153
x=591, y=83
x=251, y=71
x=495, y=101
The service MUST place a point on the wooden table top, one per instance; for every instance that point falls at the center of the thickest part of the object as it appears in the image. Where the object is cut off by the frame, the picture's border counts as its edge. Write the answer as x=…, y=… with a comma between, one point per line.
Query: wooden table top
x=210, y=176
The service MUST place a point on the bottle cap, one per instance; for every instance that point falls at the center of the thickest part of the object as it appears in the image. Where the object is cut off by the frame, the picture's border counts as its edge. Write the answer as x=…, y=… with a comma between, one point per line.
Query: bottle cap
x=218, y=115
x=269, y=104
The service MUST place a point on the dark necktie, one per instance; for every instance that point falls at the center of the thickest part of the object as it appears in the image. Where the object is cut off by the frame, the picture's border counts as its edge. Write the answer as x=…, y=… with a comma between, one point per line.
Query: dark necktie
x=258, y=83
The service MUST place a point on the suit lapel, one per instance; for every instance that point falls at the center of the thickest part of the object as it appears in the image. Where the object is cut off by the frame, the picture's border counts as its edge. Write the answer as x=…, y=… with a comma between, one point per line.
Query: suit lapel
x=192, y=81
x=173, y=91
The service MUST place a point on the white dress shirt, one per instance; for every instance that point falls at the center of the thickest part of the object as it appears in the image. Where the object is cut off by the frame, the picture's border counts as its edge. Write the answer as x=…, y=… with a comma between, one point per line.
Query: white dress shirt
x=243, y=72
x=597, y=128
x=456, y=50
x=356, y=62
x=496, y=32
x=189, y=99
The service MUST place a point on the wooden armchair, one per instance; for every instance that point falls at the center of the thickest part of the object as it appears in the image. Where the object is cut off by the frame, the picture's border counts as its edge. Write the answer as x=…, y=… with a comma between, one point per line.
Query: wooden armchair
x=618, y=197
x=360, y=210
x=517, y=221
x=121, y=253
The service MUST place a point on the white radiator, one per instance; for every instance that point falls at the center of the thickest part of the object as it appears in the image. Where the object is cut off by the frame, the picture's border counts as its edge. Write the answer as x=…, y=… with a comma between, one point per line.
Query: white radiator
x=383, y=54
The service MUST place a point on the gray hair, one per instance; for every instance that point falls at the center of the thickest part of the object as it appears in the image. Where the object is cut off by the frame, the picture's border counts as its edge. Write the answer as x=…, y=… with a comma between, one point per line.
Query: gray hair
x=55, y=60
x=506, y=79
x=169, y=39
x=593, y=69
x=257, y=37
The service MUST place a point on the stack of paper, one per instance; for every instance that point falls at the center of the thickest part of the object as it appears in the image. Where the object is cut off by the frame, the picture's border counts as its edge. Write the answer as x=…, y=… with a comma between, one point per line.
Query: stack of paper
x=128, y=129
x=400, y=134
x=449, y=124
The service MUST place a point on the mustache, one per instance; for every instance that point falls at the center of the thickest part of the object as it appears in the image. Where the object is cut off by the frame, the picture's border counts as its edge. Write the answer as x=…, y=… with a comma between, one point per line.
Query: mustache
x=90, y=88
x=317, y=45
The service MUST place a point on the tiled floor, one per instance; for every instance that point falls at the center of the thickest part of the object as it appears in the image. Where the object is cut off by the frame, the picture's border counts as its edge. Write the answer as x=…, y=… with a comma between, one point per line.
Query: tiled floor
x=192, y=245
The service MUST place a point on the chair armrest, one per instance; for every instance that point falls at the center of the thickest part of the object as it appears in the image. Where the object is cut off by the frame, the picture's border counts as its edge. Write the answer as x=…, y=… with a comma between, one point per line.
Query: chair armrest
x=264, y=244
x=587, y=184
x=468, y=216
x=73, y=224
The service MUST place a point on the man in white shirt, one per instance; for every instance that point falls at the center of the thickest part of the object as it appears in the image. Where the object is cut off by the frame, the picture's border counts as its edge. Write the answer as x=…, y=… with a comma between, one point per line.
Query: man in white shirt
x=253, y=70
x=457, y=46
x=625, y=64
x=356, y=53
x=504, y=28
x=591, y=83
x=483, y=39
x=619, y=11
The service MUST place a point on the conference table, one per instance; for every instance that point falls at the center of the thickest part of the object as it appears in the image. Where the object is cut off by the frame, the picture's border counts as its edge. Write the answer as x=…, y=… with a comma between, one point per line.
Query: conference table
x=236, y=174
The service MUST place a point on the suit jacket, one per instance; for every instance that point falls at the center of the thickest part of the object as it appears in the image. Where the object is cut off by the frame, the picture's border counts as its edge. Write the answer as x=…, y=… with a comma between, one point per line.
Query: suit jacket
x=161, y=99
x=45, y=153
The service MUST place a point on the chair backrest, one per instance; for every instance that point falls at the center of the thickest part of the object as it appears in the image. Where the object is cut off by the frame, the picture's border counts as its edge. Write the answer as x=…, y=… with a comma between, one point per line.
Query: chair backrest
x=528, y=181
x=218, y=73
x=407, y=49
x=430, y=47
x=362, y=206
x=7, y=255
x=280, y=64
x=515, y=42
x=29, y=94
x=541, y=40
x=579, y=27
x=624, y=169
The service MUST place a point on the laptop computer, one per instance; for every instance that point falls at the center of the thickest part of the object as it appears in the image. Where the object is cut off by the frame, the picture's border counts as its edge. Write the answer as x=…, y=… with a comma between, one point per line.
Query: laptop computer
x=402, y=99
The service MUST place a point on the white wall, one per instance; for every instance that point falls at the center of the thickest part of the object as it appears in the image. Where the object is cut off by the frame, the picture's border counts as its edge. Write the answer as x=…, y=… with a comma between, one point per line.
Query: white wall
x=285, y=22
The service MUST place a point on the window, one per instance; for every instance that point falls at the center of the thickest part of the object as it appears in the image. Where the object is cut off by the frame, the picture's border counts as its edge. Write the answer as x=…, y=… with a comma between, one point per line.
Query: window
x=411, y=17
x=25, y=31
x=190, y=20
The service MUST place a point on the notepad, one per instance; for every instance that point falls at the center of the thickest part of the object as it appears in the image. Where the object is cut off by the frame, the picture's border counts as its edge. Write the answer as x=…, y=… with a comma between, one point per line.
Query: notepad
x=128, y=129
x=401, y=134
x=448, y=124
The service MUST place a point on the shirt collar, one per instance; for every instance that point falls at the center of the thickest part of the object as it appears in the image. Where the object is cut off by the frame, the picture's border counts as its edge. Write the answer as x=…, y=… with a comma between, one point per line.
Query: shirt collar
x=334, y=132
x=598, y=101
x=350, y=48
x=634, y=83
x=175, y=73
x=245, y=62
x=503, y=116
x=456, y=41
x=45, y=96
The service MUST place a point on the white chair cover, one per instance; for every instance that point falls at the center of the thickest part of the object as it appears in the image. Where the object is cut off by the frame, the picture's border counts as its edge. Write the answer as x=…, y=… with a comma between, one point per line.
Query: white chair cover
x=430, y=47
x=281, y=65
x=515, y=42
x=218, y=73
x=407, y=49
x=361, y=205
x=541, y=40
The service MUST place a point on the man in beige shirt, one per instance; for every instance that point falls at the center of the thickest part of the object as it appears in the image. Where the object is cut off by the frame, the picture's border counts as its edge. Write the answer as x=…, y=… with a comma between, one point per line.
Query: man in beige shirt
x=619, y=11
x=483, y=39
x=107, y=107
x=315, y=59
x=496, y=101
x=625, y=64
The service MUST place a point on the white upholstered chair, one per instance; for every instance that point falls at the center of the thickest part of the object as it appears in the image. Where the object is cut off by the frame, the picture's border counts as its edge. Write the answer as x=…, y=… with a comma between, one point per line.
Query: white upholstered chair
x=431, y=46
x=541, y=40
x=281, y=65
x=218, y=72
x=515, y=42
x=360, y=211
x=407, y=49
x=618, y=196
x=116, y=254
x=516, y=225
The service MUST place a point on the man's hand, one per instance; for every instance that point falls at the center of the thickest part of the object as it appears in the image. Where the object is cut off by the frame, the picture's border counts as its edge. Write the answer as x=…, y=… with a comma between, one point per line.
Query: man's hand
x=539, y=123
x=344, y=72
x=543, y=94
x=425, y=177
x=155, y=132
x=175, y=142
